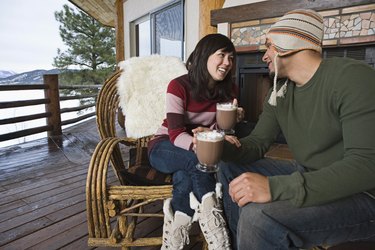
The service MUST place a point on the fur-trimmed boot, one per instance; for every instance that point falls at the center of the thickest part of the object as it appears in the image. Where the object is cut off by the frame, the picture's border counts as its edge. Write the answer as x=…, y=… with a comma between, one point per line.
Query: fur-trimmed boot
x=175, y=228
x=209, y=213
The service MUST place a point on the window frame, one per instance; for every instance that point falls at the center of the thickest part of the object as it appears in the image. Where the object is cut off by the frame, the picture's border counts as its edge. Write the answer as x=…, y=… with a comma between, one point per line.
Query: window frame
x=151, y=16
x=134, y=37
x=154, y=13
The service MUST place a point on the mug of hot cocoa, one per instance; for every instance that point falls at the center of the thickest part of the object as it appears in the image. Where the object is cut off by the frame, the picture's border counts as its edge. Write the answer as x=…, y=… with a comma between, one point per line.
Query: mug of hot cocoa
x=226, y=117
x=209, y=147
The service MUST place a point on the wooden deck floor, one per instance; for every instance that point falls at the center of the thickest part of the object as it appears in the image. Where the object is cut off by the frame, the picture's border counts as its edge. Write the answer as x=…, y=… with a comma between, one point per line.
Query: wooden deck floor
x=42, y=192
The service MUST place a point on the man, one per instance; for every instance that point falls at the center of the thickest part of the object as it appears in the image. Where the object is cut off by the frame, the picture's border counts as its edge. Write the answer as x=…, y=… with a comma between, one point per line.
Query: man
x=326, y=111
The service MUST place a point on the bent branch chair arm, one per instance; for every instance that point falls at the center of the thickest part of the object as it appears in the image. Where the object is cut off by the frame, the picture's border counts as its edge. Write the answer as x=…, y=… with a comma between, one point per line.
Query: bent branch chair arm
x=104, y=201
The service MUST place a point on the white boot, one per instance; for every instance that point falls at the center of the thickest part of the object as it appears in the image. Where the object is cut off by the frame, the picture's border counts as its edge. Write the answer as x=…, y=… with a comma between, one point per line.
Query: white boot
x=209, y=213
x=175, y=228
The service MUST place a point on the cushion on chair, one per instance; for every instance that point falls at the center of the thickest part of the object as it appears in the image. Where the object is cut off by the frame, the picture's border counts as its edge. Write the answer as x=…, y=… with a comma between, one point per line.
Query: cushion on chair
x=142, y=89
x=140, y=171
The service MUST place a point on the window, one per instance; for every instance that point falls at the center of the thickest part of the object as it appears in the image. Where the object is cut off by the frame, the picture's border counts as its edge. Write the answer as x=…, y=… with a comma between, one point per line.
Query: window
x=168, y=30
x=142, y=37
x=161, y=32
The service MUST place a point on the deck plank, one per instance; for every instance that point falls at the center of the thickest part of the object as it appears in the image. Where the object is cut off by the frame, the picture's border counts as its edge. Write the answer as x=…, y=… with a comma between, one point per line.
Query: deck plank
x=59, y=240
x=47, y=232
x=19, y=232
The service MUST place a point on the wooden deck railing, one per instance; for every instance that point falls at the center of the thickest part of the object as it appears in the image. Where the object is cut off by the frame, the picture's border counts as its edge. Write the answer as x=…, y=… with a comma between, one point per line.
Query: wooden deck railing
x=52, y=107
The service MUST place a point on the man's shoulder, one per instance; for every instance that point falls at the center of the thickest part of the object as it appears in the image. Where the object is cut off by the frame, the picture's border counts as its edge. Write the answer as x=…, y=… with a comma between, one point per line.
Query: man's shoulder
x=343, y=62
x=341, y=73
x=346, y=67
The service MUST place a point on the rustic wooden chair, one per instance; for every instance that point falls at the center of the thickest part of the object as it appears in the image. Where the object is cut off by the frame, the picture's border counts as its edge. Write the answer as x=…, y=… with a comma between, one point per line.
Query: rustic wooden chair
x=113, y=210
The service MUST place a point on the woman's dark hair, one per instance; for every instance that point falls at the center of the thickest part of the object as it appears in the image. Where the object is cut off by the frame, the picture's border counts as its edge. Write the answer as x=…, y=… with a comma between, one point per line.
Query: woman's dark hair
x=199, y=76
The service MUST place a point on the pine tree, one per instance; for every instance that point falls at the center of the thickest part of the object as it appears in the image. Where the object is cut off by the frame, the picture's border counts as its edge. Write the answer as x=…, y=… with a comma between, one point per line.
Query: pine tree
x=91, y=48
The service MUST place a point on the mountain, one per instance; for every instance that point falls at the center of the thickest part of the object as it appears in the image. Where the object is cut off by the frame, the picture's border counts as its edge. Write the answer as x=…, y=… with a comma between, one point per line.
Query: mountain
x=35, y=76
x=6, y=73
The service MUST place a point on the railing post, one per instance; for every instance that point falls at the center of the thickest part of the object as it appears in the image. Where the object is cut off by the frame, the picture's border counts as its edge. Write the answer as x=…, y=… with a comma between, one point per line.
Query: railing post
x=52, y=93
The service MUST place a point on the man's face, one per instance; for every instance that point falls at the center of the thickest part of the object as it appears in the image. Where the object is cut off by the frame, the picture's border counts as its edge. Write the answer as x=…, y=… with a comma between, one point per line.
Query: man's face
x=269, y=56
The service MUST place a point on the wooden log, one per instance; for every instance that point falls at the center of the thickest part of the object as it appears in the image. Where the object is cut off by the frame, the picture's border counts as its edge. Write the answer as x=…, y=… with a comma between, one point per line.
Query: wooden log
x=64, y=98
x=66, y=110
x=21, y=87
x=15, y=104
x=205, y=8
x=276, y=8
x=74, y=120
x=24, y=118
x=26, y=132
x=52, y=93
x=119, y=26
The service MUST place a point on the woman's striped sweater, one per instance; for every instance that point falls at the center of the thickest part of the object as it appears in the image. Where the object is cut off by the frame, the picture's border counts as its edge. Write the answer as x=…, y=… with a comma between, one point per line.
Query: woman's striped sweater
x=183, y=114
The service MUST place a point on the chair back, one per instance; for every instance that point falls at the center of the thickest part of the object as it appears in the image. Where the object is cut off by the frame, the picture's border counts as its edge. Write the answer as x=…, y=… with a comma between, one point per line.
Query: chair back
x=107, y=106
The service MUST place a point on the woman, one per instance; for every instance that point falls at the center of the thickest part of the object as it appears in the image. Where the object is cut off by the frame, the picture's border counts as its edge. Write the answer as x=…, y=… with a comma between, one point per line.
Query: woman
x=191, y=103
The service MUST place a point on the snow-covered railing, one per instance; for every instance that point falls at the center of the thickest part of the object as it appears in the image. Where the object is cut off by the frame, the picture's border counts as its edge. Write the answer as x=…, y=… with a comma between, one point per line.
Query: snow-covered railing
x=51, y=100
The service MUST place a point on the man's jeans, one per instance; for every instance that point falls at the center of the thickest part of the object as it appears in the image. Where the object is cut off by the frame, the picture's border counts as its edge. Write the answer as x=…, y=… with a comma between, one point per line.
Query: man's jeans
x=170, y=159
x=279, y=225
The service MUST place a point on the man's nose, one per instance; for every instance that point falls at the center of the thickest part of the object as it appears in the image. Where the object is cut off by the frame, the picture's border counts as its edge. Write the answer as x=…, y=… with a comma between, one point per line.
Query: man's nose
x=265, y=56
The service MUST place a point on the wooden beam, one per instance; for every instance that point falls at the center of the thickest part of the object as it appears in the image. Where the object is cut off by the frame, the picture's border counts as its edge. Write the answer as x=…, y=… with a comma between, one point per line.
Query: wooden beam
x=52, y=93
x=101, y=10
x=120, y=47
x=26, y=132
x=120, y=50
x=276, y=8
x=205, y=8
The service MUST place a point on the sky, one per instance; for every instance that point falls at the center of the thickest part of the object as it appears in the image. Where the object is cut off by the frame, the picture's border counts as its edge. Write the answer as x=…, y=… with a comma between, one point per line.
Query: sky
x=29, y=34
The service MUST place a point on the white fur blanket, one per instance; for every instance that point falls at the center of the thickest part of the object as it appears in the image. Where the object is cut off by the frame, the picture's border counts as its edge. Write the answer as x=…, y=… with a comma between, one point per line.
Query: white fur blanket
x=142, y=89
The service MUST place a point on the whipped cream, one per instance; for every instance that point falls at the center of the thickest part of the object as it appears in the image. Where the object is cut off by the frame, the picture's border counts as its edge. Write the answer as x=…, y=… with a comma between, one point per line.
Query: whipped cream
x=210, y=136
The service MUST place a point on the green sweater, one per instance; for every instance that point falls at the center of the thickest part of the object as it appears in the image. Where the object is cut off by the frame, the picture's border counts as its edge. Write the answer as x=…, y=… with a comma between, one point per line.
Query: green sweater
x=329, y=125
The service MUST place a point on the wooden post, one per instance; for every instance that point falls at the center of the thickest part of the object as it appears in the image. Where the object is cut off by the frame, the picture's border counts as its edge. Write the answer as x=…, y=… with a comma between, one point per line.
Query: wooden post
x=52, y=93
x=120, y=49
x=205, y=7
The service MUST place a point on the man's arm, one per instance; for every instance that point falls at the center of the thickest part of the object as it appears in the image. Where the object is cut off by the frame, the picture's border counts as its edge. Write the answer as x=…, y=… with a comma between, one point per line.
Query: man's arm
x=254, y=146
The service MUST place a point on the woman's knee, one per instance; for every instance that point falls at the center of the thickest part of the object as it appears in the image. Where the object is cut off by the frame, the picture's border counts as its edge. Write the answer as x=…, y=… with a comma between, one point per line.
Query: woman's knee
x=182, y=182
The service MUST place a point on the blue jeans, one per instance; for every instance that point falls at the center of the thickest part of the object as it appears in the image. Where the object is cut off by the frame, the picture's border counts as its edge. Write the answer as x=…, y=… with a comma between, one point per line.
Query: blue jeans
x=279, y=225
x=186, y=178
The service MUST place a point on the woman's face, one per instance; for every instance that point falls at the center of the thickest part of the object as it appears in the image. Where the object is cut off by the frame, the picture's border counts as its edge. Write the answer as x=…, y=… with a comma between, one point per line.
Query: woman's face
x=219, y=64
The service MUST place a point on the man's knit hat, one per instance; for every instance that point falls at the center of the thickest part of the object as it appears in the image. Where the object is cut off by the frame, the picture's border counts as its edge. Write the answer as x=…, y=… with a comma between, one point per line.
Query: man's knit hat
x=297, y=30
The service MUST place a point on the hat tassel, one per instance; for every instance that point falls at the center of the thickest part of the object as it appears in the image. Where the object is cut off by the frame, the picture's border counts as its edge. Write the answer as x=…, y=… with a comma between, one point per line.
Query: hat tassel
x=272, y=100
x=282, y=90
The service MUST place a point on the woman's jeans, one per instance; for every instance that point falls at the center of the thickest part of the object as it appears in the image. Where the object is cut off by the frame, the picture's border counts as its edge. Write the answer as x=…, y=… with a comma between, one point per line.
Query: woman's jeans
x=279, y=225
x=181, y=163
